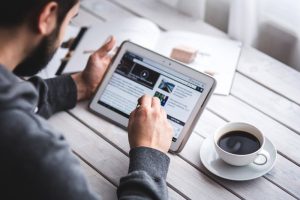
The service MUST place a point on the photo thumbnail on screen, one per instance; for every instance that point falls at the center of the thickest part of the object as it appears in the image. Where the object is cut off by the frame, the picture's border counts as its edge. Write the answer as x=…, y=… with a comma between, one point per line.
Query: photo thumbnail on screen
x=166, y=86
x=163, y=98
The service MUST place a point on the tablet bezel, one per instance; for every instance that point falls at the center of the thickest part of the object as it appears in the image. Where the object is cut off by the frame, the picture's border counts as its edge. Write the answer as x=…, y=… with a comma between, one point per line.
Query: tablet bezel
x=170, y=64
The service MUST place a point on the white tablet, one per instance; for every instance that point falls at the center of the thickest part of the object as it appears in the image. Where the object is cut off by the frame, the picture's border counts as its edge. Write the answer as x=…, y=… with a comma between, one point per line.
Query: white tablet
x=137, y=71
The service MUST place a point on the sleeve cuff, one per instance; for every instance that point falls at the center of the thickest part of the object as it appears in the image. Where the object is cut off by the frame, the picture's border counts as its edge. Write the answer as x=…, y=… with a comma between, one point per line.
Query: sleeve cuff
x=154, y=162
x=62, y=92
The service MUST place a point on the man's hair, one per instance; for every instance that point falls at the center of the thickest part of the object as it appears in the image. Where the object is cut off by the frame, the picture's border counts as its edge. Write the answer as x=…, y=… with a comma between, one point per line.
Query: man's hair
x=16, y=12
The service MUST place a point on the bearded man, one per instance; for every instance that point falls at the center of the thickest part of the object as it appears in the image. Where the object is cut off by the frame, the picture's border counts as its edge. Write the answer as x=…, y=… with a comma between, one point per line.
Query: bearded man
x=36, y=161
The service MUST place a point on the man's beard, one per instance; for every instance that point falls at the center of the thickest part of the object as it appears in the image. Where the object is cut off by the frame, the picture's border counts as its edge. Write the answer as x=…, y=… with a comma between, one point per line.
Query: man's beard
x=39, y=57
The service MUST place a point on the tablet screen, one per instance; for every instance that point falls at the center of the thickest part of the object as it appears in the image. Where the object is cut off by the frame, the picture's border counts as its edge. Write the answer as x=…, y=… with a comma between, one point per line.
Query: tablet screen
x=136, y=76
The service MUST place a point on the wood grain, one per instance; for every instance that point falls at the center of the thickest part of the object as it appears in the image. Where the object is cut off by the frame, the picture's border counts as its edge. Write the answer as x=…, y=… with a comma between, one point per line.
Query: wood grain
x=87, y=19
x=259, y=188
x=285, y=174
x=99, y=124
x=163, y=15
x=99, y=184
x=105, y=158
x=182, y=176
x=105, y=10
x=286, y=141
x=271, y=73
x=276, y=106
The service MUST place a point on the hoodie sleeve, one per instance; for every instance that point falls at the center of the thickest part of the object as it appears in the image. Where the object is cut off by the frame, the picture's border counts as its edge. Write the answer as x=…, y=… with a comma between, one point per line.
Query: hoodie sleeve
x=55, y=94
x=146, y=177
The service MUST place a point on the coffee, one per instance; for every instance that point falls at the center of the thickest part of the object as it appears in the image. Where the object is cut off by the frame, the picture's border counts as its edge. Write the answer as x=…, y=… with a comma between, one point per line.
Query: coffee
x=239, y=142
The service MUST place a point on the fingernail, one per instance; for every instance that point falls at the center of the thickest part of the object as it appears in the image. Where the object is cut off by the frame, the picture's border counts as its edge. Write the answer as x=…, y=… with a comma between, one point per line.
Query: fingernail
x=108, y=40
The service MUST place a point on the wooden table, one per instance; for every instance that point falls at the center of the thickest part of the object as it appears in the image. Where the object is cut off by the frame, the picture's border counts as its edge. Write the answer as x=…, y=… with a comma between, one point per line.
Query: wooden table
x=265, y=93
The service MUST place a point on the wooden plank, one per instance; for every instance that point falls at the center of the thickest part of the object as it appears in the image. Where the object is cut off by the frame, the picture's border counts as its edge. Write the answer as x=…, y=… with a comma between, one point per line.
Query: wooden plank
x=101, y=125
x=271, y=73
x=259, y=188
x=105, y=10
x=98, y=184
x=254, y=64
x=167, y=17
x=286, y=141
x=182, y=176
x=270, y=103
x=85, y=18
x=285, y=174
x=104, y=157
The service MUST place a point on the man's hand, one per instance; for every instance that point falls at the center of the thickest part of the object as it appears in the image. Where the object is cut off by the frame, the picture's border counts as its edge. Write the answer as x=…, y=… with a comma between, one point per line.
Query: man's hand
x=148, y=125
x=88, y=80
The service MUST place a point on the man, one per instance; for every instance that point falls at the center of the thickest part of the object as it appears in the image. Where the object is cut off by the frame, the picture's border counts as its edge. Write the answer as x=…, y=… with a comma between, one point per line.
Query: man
x=36, y=161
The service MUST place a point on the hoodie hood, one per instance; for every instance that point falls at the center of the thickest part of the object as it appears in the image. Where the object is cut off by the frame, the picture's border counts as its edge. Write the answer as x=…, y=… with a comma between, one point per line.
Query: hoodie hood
x=16, y=93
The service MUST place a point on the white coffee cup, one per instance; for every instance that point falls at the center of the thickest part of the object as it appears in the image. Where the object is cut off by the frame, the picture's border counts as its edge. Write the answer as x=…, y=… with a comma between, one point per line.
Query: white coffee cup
x=259, y=157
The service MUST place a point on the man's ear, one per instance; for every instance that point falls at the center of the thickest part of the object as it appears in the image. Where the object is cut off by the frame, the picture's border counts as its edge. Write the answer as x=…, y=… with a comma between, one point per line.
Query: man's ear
x=47, y=19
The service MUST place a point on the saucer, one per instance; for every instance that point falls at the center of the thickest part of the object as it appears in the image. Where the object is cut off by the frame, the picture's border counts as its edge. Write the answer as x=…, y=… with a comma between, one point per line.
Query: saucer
x=213, y=163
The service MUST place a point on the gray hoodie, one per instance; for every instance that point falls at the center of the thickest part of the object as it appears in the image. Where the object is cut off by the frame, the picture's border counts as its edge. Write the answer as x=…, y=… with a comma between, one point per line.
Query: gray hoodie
x=36, y=160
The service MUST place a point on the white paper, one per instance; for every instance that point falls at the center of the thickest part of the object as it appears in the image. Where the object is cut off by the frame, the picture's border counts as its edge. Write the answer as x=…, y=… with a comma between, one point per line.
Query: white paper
x=218, y=55
x=137, y=30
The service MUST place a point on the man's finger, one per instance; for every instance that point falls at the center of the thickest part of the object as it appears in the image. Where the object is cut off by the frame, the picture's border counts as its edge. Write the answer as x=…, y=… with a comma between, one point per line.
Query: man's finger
x=106, y=60
x=156, y=103
x=145, y=101
x=107, y=47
